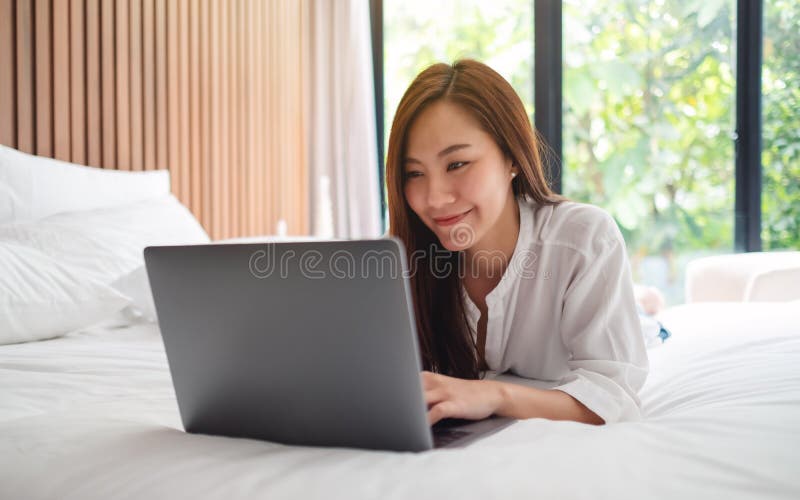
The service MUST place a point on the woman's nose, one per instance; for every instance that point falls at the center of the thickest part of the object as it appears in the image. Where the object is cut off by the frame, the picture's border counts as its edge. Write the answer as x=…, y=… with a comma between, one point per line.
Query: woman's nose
x=440, y=193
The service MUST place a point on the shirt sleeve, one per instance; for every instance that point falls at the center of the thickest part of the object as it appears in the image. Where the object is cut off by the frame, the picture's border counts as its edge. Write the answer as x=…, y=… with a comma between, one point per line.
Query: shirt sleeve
x=600, y=328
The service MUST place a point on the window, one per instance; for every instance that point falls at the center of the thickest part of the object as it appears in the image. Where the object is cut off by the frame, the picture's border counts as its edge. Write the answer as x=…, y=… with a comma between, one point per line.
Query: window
x=649, y=99
x=418, y=33
x=780, y=80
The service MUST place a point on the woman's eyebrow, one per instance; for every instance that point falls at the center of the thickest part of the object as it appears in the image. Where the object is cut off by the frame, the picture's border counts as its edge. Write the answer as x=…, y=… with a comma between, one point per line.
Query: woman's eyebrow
x=450, y=149
x=444, y=152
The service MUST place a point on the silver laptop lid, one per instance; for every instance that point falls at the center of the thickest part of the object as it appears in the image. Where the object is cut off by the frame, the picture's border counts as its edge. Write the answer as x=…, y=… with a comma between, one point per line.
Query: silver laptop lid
x=309, y=343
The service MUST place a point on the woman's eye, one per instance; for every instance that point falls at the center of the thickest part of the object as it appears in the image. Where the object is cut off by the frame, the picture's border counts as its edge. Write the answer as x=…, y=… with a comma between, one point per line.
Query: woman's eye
x=410, y=175
x=456, y=164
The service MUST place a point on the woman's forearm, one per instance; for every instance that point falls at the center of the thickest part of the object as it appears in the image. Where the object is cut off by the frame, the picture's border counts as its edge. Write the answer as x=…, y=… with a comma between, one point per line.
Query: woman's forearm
x=518, y=401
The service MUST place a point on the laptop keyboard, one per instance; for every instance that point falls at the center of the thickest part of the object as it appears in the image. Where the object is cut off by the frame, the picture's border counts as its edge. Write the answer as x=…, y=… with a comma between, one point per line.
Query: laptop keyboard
x=444, y=437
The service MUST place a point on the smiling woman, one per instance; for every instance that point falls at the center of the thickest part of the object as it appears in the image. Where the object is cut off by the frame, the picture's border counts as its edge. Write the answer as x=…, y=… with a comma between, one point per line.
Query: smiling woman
x=537, y=285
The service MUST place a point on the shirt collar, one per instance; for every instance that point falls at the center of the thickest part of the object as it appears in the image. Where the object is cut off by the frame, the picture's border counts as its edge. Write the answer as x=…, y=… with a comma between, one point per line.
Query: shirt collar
x=511, y=273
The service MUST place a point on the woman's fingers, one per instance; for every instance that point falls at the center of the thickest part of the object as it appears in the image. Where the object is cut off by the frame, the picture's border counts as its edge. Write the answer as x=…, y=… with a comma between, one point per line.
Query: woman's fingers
x=429, y=380
x=451, y=397
x=440, y=411
x=434, y=396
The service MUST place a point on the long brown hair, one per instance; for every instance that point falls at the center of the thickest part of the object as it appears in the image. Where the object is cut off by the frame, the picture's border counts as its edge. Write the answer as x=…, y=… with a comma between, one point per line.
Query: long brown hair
x=445, y=338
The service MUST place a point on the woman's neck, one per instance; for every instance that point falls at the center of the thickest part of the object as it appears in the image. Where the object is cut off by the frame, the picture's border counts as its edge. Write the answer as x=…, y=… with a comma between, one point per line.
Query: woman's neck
x=489, y=258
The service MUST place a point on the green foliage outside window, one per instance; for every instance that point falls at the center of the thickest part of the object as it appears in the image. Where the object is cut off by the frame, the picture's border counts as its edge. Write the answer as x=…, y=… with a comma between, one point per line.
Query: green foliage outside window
x=780, y=77
x=649, y=95
x=419, y=33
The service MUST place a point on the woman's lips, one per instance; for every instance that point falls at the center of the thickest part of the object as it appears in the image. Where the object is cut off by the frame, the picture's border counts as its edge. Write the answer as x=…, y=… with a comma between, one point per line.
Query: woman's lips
x=449, y=221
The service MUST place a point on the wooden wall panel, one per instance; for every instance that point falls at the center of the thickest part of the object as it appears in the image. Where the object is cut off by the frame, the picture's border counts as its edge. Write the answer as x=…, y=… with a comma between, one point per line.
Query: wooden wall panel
x=136, y=85
x=77, y=81
x=109, y=86
x=294, y=130
x=149, y=83
x=25, y=90
x=43, y=79
x=94, y=114
x=273, y=128
x=303, y=63
x=205, y=114
x=194, y=165
x=235, y=113
x=173, y=95
x=183, y=97
x=259, y=111
x=161, y=84
x=225, y=112
x=8, y=130
x=183, y=172
x=123, y=81
x=244, y=111
x=210, y=89
x=215, y=160
x=61, y=80
x=252, y=110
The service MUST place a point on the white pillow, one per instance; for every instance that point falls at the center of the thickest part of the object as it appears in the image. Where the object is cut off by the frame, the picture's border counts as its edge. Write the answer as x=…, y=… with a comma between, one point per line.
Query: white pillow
x=41, y=298
x=33, y=187
x=106, y=244
x=136, y=286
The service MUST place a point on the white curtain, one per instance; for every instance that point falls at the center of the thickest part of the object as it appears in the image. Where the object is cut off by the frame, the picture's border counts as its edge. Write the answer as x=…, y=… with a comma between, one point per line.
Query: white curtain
x=343, y=158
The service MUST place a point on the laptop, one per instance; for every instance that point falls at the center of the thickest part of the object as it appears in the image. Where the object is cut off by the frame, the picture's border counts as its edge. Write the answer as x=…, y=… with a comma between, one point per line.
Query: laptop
x=306, y=343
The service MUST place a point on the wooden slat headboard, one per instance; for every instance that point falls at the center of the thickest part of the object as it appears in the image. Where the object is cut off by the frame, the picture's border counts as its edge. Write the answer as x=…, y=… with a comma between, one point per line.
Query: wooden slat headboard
x=210, y=89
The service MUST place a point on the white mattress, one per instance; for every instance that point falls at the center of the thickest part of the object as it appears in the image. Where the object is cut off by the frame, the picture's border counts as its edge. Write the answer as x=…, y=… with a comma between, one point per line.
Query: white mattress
x=93, y=416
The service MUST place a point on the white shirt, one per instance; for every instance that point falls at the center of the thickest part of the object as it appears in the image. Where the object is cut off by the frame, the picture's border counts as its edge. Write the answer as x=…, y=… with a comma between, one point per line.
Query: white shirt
x=564, y=310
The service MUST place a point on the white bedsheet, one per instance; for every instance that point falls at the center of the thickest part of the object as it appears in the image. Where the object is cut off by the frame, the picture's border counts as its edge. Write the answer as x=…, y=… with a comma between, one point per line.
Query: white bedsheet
x=93, y=416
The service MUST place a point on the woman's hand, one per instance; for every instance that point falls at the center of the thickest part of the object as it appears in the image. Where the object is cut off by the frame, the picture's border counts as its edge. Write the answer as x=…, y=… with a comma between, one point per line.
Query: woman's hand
x=449, y=397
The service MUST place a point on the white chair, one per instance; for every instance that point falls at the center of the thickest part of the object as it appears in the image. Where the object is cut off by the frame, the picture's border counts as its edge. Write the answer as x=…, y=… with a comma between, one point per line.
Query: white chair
x=744, y=277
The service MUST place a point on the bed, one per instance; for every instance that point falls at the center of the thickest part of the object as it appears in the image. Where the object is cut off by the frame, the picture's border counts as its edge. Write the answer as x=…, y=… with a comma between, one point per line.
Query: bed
x=91, y=413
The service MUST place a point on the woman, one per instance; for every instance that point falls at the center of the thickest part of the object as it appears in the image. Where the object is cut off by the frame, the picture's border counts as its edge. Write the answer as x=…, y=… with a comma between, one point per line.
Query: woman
x=506, y=275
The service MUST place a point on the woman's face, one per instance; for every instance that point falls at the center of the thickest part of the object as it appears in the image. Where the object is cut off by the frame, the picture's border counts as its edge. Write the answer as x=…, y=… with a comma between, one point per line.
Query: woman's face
x=457, y=180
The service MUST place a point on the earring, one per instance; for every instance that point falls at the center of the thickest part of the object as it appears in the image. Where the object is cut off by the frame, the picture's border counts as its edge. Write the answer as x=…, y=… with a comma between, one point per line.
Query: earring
x=513, y=174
